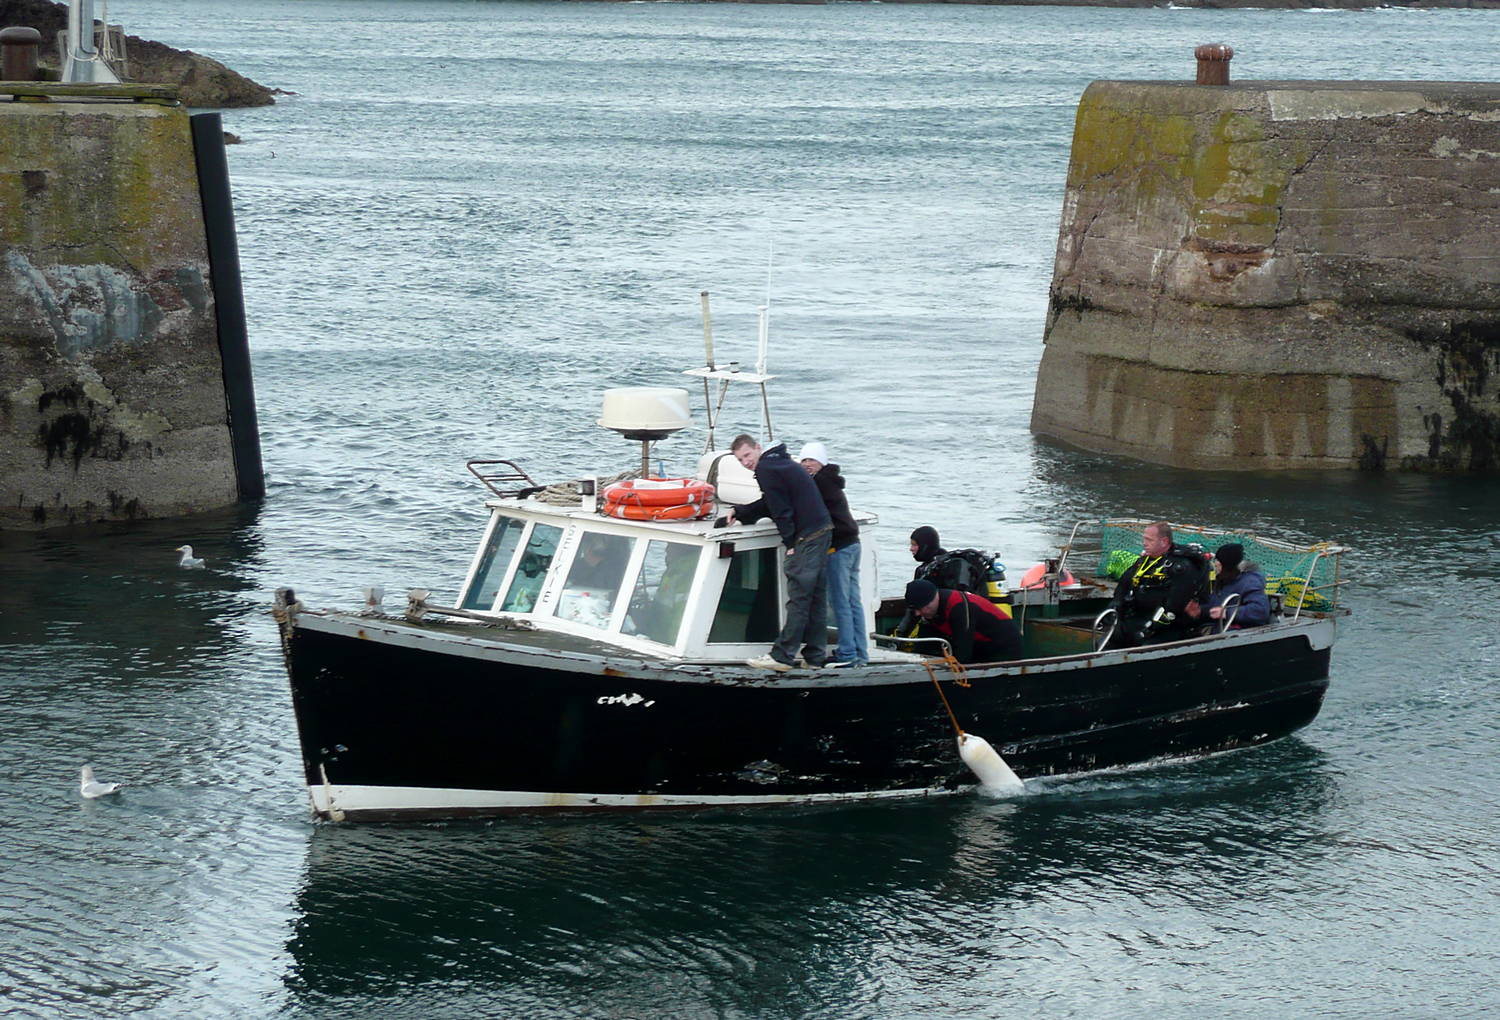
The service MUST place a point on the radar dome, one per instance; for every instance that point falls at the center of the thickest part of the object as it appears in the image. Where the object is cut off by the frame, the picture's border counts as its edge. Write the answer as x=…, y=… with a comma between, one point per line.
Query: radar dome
x=645, y=412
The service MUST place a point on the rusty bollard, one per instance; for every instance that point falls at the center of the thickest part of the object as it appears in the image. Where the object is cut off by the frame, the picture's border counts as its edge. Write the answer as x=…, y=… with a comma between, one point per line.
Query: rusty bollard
x=1213, y=63
x=18, y=47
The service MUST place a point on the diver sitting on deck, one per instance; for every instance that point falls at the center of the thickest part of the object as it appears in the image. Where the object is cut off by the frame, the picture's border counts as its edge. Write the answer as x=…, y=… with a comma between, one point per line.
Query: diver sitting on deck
x=976, y=628
x=1151, y=600
x=1237, y=576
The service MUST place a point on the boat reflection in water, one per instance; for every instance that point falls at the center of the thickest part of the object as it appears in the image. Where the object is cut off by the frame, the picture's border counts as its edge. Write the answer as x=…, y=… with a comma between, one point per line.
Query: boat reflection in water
x=659, y=915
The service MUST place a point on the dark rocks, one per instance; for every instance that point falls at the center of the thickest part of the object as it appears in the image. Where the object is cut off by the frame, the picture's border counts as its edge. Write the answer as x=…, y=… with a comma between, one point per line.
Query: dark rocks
x=204, y=82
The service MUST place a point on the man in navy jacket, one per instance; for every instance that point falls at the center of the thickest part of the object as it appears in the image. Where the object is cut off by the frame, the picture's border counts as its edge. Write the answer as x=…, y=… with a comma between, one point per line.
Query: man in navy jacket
x=791, y=499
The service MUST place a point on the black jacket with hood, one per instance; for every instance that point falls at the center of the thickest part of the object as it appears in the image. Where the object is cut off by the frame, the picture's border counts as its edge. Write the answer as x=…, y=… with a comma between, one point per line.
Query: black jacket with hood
x=788, y=497
x=831, y=487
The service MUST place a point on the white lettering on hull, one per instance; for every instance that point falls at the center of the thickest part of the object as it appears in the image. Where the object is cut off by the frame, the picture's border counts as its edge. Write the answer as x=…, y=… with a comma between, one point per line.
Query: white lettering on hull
x=625, y=699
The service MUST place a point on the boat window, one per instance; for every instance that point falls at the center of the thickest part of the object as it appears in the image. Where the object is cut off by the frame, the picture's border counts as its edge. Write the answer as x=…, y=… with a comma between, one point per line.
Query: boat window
x=749, y=606
x=593, y=583
x=662, y=590
x=504, y=537
x=531, y=572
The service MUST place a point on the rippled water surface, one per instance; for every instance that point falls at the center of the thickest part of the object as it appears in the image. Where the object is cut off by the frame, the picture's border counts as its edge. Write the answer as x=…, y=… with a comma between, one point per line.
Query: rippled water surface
x=469, y=219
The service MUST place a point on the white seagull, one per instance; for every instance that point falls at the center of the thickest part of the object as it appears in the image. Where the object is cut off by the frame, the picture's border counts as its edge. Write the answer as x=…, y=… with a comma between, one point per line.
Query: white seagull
x=188, y=562
x=91, y=788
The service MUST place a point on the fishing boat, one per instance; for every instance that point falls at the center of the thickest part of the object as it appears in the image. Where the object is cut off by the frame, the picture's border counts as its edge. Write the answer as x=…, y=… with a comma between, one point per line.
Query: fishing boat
x=595, y=657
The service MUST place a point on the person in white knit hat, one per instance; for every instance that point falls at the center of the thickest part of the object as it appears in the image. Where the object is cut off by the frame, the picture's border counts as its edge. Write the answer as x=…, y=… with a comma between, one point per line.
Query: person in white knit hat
x=843, y=563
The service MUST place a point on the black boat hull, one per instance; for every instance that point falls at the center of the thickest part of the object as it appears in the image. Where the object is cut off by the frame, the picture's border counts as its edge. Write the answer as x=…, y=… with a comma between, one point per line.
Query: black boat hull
x=403, y=720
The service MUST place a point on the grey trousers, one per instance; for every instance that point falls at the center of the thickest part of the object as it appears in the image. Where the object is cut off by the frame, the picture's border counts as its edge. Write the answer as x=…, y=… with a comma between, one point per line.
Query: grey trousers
x=806, y=601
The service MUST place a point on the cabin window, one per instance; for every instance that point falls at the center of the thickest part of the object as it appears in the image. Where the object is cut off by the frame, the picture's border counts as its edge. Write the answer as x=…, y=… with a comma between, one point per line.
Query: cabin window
x=593, y=584
x=662, y=590
x=531, y=571
x=749, y=605
x=504, y=537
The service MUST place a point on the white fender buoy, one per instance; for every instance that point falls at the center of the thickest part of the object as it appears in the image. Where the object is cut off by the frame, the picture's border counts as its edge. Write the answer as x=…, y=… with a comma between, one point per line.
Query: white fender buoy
x=985, y=762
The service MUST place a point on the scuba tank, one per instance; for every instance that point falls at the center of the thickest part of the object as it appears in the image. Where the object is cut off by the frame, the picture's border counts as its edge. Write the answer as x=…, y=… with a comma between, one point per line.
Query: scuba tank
x=994, y=584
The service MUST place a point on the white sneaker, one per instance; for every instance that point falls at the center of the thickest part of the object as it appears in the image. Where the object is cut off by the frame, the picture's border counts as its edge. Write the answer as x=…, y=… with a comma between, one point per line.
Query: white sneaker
x=767, y=662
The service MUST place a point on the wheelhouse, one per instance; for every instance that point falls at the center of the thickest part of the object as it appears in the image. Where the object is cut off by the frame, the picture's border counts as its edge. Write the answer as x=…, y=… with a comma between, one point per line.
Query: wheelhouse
x=683, y=589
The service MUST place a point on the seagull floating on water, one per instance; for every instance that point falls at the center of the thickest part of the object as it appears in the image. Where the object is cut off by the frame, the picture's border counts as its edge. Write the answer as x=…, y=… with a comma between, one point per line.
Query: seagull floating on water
x=91, y=788
x=188, y=562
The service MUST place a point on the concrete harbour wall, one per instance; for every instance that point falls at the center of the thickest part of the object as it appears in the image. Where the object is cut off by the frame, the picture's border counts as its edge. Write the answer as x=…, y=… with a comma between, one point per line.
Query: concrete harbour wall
x=1280, y=275
x=112, y=389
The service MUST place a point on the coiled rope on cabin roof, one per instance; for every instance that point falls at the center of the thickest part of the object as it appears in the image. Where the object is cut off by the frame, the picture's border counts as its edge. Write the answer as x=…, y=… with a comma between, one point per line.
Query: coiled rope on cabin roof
x=568, y=493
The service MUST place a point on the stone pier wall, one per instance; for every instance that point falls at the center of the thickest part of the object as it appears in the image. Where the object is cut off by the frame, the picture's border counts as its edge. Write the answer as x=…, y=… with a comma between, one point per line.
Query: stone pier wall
x=112, y=398
x=1280, y=275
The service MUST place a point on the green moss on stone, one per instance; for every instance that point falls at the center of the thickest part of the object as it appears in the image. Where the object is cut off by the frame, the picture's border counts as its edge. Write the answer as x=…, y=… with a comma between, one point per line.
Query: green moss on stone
x=116, y=182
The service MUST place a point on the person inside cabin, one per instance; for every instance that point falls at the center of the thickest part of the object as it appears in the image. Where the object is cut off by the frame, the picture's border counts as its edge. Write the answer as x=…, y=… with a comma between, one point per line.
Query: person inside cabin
x=1151, y=600
x=1237, y=576
x=600, y=564
x=790, y=498
x=676, y=585
x=977, y=630
x=843, y=561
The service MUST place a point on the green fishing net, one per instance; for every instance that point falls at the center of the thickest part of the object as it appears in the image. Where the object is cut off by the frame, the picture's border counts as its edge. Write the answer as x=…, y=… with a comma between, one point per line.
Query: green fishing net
x=1305, y=576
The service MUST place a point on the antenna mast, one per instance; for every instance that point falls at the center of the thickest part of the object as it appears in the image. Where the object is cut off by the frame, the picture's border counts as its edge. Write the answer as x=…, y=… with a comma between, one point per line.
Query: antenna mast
x=725, y=376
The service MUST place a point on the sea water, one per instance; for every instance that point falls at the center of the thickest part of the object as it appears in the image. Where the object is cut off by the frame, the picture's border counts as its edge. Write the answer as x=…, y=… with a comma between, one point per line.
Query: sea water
x=468, y=219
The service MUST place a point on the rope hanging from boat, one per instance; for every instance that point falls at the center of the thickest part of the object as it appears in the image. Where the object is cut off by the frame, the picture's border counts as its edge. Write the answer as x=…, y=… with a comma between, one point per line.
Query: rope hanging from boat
x=961, y=678
x=983, y=760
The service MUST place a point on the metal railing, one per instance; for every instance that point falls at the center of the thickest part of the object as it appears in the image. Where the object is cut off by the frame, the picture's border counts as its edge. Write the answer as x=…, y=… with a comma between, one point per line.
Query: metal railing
x=945, y=650
x=1114, y=621
x=493, y=479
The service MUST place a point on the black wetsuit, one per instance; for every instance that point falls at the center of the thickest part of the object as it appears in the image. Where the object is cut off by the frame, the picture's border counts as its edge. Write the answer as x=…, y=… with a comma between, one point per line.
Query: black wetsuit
x=1166, y=583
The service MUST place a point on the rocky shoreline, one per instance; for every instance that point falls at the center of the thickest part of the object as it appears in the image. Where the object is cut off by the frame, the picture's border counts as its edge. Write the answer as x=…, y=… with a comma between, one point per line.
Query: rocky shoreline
x=207, y=83
x=204, y=81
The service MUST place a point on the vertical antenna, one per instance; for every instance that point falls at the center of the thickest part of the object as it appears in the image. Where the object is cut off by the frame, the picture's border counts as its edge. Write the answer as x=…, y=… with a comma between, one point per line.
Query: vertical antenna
x=708, y=332
x=769, y=252
x=765, y=319
x=765, y=343
x=764, y=338
x=708, y=357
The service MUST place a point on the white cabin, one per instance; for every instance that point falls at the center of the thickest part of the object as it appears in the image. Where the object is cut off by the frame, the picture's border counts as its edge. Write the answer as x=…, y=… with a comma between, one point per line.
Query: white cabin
x=680, y=589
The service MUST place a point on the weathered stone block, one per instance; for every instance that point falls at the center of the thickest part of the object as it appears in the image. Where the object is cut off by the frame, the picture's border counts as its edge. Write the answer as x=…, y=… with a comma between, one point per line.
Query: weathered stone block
x=111, y=383
x=1280, y=275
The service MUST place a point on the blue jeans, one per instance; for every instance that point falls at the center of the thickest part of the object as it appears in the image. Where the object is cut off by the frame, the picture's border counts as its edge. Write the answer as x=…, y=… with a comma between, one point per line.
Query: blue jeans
x=843, y=600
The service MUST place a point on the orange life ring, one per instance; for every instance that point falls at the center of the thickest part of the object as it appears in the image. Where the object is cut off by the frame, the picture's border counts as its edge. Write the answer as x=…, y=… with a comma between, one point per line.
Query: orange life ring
x=1035, y=577
x=680, y=512
x=662, y=492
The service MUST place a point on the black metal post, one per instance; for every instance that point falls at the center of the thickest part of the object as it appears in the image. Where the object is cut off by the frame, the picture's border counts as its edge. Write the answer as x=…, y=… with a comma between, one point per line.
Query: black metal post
x=229, y=302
